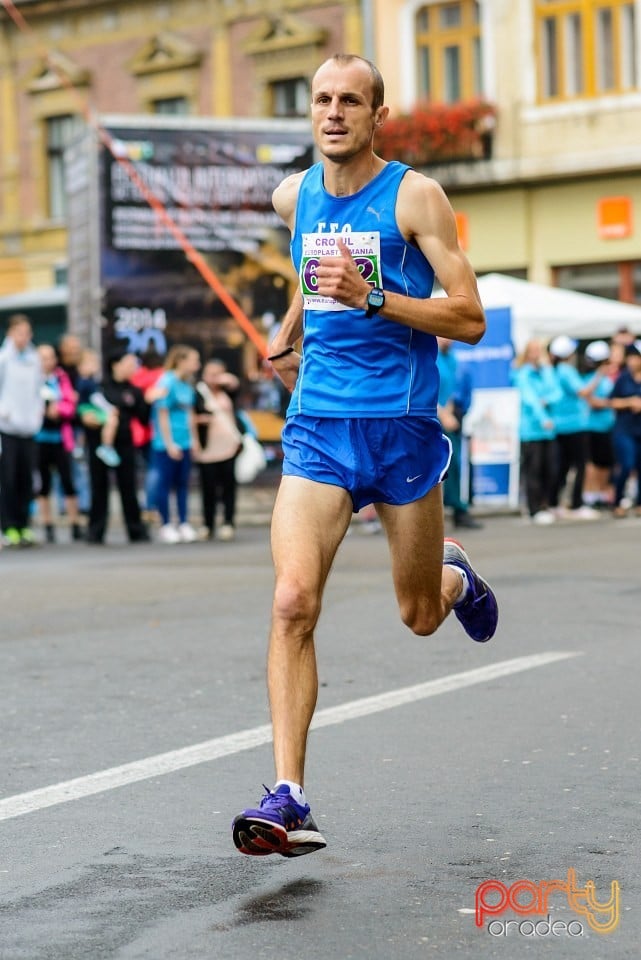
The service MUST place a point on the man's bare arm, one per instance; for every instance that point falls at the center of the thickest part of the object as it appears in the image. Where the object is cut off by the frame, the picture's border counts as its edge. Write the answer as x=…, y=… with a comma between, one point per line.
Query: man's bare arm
x=285, y=196
x=425, y=217
x=291, y=328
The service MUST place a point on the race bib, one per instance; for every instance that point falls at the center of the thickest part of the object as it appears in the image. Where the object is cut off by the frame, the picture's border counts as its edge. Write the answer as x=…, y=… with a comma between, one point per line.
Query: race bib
x=365, y=248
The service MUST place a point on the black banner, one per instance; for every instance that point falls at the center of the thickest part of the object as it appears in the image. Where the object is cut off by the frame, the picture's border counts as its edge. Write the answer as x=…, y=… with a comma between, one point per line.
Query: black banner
x=216, y=183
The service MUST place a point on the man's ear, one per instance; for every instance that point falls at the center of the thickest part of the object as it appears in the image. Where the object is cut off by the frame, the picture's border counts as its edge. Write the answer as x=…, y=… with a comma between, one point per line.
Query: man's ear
x=381, y=116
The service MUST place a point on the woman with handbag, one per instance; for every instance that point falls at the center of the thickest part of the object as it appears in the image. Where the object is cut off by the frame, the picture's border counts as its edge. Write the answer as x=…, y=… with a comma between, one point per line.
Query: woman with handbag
x=221, y=442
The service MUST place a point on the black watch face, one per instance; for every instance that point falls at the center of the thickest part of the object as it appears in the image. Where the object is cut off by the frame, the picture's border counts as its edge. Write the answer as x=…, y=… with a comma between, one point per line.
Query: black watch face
x=376, y=298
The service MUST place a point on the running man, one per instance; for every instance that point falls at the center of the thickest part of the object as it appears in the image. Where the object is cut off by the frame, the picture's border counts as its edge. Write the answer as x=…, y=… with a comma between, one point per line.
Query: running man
x=368, y=238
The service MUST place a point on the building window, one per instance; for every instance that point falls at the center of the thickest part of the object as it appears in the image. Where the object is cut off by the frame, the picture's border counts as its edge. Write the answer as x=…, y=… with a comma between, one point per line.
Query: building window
x=598, y=279
x=586, y=48
x=290, y=98
x=615, y=280
x=174, y=106
x=60, y=132
x=448, y=51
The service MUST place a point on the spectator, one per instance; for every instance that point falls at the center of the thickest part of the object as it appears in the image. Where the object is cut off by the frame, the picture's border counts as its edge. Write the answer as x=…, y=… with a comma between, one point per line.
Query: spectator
x=220, y=442
x=626, y=402
x=55, y=442
x=70, y=353
x=617, y=359
x=570, y=415
x=146, y=376
x=174, y=438
x=454, y=397
x=129, y=402
x=93, y=405
x=597, y=489
x=538, y=390
x=21, y=412
x=624, y=337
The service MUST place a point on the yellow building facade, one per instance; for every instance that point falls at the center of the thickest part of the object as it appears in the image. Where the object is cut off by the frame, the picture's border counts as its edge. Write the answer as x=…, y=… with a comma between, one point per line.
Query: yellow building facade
x=556, y=199
x=559, y=200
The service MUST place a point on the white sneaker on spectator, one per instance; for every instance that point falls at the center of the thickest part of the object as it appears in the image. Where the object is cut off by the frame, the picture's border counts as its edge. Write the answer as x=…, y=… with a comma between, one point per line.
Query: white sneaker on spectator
x=186, y=533
x=543, y=517
x=226, y=532
x=168, y=534
x=586, y=513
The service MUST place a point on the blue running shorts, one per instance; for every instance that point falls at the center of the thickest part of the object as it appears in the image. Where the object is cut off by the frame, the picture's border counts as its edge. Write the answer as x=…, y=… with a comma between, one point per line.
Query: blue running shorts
x=395, y=461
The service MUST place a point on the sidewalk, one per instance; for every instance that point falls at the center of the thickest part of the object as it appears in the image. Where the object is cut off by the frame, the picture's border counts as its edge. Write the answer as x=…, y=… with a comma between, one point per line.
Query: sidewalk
x=255, y=501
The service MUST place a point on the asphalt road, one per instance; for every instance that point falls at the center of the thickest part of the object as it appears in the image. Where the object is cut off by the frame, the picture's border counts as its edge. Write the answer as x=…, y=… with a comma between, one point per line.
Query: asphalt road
x=121, y=655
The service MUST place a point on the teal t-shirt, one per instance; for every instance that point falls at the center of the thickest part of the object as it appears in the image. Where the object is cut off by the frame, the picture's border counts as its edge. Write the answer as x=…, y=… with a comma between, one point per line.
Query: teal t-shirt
x=570, y=412
x=600, y=419
x=178, y=401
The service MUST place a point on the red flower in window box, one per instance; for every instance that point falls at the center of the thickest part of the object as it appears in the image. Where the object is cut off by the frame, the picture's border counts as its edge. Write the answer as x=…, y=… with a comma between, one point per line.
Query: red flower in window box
x=439, y=132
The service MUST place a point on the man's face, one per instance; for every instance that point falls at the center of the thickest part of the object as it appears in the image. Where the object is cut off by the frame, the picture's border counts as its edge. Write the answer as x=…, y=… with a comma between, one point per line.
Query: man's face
x=343, y=121
x=633, y=363
x=70, y=349
x=21, y=335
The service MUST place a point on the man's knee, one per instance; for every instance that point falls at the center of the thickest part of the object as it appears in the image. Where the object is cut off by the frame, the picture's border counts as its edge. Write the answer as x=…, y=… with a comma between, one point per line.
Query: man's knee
x=296, y=603
x=422, y=619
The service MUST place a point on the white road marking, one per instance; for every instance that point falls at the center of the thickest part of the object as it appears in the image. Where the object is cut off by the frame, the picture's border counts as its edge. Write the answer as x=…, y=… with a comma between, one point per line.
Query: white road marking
x=233, y=743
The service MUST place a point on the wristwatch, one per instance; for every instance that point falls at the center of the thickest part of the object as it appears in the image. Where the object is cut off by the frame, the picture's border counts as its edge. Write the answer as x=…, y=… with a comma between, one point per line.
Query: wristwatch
x=375, y=300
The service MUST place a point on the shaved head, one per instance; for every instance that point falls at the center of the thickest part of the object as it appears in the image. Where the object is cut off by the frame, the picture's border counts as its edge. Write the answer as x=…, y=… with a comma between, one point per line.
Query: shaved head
x=378, y=85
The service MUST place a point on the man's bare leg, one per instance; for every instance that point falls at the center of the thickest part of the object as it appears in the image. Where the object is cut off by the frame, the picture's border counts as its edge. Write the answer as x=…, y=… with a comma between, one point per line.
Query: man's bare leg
x=309, y=522
x=426, y=588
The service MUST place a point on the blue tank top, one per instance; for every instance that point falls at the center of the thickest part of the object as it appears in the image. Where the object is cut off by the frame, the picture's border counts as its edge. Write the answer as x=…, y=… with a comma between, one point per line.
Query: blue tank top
x=352, y=365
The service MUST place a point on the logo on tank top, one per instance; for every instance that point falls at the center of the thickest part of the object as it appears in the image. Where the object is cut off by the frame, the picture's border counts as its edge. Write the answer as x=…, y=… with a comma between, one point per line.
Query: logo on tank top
x=365, y=248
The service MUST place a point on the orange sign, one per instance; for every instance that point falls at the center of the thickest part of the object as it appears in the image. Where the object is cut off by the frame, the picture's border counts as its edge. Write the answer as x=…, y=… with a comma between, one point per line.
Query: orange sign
x=463, y=230
x=614, y=217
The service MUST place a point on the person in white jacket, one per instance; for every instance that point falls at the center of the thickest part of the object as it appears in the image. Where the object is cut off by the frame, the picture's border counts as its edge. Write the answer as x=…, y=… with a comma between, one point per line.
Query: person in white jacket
x=21, y=414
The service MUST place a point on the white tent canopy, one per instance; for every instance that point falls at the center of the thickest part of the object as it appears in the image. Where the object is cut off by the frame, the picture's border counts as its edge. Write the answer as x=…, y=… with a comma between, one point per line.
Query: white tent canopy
x=545, y=312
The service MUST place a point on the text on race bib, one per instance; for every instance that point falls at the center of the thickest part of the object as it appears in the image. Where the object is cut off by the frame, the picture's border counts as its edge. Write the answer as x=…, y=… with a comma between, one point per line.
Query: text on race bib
x=365, y=248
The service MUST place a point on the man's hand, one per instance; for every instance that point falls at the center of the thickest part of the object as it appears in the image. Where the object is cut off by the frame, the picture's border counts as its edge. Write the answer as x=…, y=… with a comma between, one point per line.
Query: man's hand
x=340, y=278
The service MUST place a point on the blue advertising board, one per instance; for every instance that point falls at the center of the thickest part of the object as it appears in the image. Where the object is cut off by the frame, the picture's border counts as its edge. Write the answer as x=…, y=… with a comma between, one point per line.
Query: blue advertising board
x=489, y=361
x=491, y=425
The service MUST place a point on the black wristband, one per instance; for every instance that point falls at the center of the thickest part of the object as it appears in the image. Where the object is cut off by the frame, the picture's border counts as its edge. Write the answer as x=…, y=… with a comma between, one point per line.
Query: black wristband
x=283, y=353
